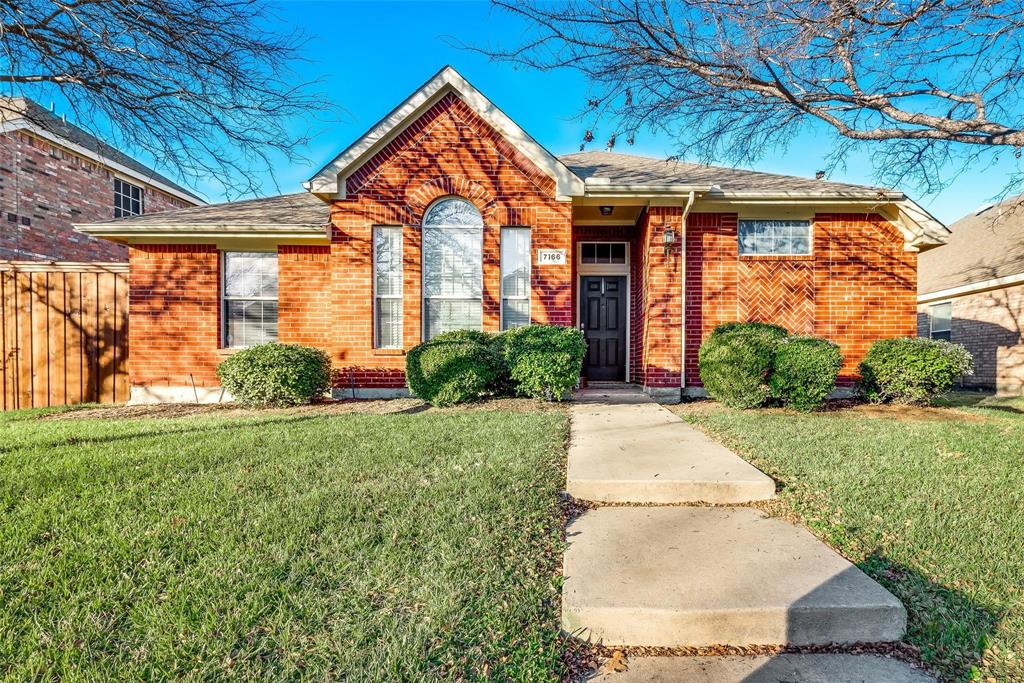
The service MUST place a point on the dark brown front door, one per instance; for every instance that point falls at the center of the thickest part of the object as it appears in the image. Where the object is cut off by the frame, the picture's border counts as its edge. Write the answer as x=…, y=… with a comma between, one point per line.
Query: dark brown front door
x=603, y=319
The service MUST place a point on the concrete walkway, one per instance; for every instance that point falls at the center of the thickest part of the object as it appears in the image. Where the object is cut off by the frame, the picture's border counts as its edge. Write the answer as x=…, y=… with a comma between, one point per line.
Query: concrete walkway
x=625, y=448
x=653, y=575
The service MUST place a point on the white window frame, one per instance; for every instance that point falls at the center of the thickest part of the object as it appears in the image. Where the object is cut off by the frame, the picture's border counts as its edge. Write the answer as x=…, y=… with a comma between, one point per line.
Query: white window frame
x=931, y=319
x=810, y=236
x=401, y=292
x=423, y=266
x=224, y=298
x=118, y=185
x=529, y=275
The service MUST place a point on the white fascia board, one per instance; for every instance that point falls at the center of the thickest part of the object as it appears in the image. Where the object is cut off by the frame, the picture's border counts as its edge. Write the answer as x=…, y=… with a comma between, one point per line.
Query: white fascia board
x=234, y=230
x=330, y=180
x=24, y=124
x=962, y=290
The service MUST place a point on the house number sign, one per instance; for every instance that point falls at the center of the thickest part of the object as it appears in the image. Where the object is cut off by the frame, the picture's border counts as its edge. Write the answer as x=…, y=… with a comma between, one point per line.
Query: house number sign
x=551, y=257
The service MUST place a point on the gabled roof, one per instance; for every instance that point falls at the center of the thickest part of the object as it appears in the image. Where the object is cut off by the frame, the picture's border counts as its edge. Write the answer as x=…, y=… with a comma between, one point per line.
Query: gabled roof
x=20, y=113
x=985, y=246
x=330, y=180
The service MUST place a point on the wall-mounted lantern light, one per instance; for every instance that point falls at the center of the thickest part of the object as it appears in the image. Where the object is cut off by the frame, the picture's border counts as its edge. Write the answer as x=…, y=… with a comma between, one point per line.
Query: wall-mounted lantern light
x=669, y=237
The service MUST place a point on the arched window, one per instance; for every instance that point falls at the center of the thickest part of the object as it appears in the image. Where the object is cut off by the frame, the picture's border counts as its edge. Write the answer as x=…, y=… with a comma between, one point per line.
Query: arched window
x=452, y=267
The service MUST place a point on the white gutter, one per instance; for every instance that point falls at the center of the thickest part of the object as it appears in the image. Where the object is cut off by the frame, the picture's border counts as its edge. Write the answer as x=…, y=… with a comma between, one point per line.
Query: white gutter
x=682, y=293
x=25, y=124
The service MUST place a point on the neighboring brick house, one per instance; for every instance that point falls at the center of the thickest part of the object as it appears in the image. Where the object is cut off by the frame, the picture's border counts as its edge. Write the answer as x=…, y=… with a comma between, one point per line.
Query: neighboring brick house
x=971, y=292
x=448, y=215
x=54, y=174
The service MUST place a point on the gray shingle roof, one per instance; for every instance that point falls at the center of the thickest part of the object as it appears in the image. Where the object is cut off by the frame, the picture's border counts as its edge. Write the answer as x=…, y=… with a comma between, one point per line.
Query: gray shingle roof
x=630, y=169
x=23, y=108
x=300, y=209
x=983, y=246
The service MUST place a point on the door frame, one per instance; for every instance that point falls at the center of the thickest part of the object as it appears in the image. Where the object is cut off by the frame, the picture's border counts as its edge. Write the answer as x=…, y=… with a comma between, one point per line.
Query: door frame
x=609, y=270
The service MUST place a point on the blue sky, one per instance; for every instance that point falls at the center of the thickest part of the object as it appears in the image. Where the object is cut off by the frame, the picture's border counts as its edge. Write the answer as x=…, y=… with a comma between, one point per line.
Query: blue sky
x=371, y=55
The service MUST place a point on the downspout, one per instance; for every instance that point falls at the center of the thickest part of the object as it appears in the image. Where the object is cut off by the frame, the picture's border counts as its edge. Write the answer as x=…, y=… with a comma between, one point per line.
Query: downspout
x=682, y=294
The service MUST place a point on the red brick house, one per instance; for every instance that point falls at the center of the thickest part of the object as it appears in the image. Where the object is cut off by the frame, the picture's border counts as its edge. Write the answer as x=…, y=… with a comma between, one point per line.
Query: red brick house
x=446, y=215
x=54, y=174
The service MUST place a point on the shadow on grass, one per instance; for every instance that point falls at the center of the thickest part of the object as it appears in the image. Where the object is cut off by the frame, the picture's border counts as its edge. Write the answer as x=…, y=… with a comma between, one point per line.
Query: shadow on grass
x=192, y=428
x=950, y=630
x=981, y=400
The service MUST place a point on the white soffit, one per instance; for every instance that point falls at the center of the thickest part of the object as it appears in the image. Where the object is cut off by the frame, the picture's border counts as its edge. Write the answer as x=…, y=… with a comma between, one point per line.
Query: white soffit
x=330, y=180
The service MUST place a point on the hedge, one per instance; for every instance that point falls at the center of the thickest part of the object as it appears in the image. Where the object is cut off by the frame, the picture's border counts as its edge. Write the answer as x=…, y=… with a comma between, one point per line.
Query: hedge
x=543, y=361
x=276, y=375
x=454, y=367
x=804, y=371
x=912, y=370
x=736, y=361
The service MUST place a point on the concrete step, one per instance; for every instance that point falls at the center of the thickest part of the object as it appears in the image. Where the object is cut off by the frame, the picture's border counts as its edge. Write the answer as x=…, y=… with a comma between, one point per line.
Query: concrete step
x=627, y=449
x=786, y=668
x=684, y=576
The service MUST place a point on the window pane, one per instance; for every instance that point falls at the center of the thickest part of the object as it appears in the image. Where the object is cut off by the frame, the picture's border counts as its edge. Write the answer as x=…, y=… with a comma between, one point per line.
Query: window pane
x=775, y=237
x=251, y=322
x=389, y=323
x=515, y=262
x=618, y=253
x=515, y=313
x=445, y=315
x=942, y=318
x=250, y=274
x=387, y=260
x=589, y=253
x=453, y=262
x=454, y=211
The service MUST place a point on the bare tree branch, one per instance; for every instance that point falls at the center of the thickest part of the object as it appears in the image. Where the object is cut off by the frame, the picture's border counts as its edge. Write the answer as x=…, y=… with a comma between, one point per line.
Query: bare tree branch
x=921, y=80
x=204, y=87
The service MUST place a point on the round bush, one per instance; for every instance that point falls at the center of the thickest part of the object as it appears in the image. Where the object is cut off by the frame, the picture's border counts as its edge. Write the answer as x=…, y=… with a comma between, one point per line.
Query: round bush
x=912, y=370
x=736, y=360
x=543, y=361
x=454, y=367
x=804, y=371
x=276, y=375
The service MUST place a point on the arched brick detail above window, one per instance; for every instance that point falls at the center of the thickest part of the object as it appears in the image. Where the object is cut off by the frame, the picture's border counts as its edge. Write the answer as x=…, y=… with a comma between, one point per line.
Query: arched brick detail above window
x=420, y=197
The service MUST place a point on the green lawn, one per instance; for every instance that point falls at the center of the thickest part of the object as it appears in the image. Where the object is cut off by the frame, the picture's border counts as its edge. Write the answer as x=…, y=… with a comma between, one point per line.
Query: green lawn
x=282, y=546
x=929, y=502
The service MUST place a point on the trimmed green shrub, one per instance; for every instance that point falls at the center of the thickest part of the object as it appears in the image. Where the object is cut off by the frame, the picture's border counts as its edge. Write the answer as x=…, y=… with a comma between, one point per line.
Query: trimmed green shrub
x=804, y=371
x=454, y=367
x=912, y=370
x=736, y=360
x=543, y=361
x=276, y=375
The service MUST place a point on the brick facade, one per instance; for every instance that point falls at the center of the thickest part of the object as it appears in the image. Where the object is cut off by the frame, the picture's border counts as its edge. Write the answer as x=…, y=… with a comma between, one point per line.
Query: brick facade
x=858, y=286
x=44, y=189
x=991, y=326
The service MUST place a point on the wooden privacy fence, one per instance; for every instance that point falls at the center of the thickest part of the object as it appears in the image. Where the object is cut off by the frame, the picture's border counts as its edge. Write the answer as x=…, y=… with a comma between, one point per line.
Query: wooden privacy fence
x=64, y=328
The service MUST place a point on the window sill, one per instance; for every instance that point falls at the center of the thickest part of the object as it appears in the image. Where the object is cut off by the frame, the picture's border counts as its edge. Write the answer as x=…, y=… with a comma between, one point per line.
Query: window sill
x=389, y=352
x=776, y=257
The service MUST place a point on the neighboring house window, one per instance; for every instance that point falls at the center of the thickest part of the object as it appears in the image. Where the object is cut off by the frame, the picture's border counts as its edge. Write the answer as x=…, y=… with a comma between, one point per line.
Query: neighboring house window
x=387, y=286
x=775, y=238
x=452, y=267
x=603, y=252
x=250, y=298
x=515, y=277
x=127, y=199
x=941, y=321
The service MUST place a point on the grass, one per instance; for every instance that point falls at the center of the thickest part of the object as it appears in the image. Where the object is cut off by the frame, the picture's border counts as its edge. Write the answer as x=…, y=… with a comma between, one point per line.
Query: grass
x=928, y=502
x=281, y=546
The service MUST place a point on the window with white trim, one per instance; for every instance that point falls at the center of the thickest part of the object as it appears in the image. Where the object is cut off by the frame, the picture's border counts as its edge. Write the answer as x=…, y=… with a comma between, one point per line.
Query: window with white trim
x=387, y=286
x=515, y=277
x=127, y=199
x=250, y=298
x=453, y=275
x=775, y=238
x=941, y=317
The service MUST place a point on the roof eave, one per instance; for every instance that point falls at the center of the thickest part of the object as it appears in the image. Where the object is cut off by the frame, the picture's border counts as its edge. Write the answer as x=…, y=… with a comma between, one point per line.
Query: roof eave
x=277, y=231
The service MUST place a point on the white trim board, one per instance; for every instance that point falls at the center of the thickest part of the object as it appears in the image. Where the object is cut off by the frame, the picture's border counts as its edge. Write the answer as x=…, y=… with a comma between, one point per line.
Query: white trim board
x=330, y=180
x=962, y=290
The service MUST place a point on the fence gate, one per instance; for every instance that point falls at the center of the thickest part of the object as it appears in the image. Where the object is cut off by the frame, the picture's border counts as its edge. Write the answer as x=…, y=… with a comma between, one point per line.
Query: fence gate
x=64, y=332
